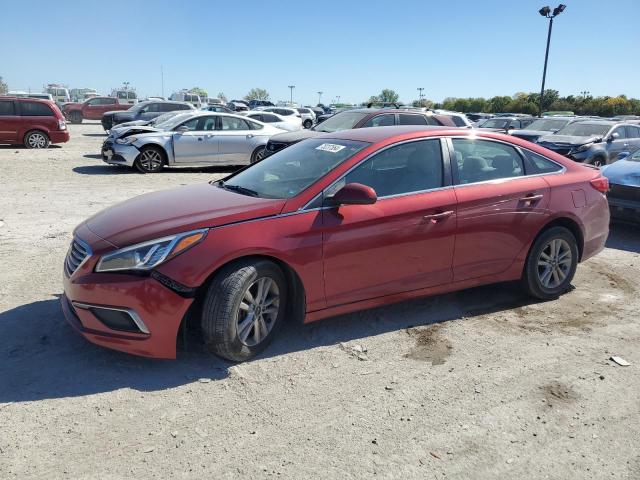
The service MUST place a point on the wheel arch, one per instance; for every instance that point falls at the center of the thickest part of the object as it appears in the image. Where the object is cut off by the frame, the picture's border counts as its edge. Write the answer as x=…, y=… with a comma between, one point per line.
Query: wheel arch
x=570, y=224
x=296, y=310
x=167, y=158
x=44, y=131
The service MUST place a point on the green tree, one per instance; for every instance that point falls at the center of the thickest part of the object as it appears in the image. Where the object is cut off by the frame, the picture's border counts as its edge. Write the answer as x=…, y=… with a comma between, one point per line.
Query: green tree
x=4, y=88
x=388, y=96
x=257, y=94
x=424, y=103
x=201, y=92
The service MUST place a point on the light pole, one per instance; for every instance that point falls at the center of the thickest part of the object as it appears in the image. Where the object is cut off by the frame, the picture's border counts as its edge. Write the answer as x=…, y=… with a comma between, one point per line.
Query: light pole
x=320, y=97
x=546, y=12
x=585, y=93
x=338, y=97
x=291, y=87
x=420, y=90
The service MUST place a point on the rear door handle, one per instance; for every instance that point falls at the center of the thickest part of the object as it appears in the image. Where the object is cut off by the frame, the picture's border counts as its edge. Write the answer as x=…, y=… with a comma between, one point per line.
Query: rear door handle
x=529, y=199
x=437, y=217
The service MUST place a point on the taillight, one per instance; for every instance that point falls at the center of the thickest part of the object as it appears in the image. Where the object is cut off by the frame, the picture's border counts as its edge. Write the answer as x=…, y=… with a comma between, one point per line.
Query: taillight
x=601, y=184
x=62, y=125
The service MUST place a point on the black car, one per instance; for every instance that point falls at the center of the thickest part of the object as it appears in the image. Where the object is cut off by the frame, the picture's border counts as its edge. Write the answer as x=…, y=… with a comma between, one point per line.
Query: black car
x=624, y=187
x=542, y=126
x=355, y=118
x=142, y=111
x=505, y=124
x=253, y=104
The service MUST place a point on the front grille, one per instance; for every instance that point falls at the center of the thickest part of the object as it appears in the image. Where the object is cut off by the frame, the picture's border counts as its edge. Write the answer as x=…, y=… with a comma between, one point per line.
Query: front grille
x=78, y=253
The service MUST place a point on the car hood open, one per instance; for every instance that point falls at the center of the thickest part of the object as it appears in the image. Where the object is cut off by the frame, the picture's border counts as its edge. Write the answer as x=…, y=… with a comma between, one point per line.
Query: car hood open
x=167, y=212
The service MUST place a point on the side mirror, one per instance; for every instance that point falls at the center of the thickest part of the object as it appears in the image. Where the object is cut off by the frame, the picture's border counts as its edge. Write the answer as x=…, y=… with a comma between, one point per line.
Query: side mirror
x=182, y=129
x=622, y=155
x=613, y=136
x=354, y=194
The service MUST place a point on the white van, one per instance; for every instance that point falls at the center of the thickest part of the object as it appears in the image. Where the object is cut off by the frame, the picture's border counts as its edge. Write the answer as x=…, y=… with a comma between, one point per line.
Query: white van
x=125, y=96
x=187, y=97
x=59, y=93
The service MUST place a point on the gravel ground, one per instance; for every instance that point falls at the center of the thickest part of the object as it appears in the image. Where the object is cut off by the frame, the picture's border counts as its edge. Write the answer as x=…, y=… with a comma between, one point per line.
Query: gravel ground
x=481, y=384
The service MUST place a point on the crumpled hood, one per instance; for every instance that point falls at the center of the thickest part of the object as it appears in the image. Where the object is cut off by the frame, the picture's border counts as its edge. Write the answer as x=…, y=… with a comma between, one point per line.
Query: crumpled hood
x=163, y=213
x=121, y=132
x=623, y=172
x=568, y=139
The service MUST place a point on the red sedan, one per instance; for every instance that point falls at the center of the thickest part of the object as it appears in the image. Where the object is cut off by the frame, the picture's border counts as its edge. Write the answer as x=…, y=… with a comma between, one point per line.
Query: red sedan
x=341, y=222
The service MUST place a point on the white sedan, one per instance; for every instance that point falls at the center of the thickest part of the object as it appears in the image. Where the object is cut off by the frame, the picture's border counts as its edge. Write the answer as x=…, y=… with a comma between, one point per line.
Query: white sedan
x=289, y=123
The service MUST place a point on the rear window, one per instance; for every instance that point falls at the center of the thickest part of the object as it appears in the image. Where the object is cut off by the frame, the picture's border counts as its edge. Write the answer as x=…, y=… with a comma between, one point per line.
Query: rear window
x=33, y=109
x=408, y=119
x=458, y=121
x=7, y=108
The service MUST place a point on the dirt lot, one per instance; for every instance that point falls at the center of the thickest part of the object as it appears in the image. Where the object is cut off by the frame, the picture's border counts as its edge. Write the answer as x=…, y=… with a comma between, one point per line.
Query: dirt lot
x=480, y=384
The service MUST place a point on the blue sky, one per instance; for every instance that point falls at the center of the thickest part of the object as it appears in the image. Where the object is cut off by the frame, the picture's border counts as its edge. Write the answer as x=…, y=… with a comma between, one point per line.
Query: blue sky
x=349, y=49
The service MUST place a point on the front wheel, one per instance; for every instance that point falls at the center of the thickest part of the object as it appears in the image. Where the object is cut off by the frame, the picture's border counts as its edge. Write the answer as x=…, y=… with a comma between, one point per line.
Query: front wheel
x=244, y=307
x=258, y=154
x=75, y=117
x=36, y=139
x=551, y=264
x=150, y=160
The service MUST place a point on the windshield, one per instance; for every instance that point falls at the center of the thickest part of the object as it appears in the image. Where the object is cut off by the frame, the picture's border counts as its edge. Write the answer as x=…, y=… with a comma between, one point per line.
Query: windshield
x=584, y=129
x=494, y=123
x=137, y=107
x=340, y=121
x=172, y=122
x=288, y=172
x=547, y=124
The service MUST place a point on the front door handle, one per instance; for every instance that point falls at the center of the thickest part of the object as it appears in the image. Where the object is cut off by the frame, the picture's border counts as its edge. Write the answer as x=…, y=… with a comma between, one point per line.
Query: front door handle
x=437, y=217
x=530, y=199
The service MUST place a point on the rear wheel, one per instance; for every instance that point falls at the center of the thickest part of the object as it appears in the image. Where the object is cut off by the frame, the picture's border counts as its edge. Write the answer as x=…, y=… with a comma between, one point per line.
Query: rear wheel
x=244, y=307
x=36, y=139
x=150, y=160
x=258, y=154
x=75, y=117
x=598, y=161
x=551, y=264
x=307, y=123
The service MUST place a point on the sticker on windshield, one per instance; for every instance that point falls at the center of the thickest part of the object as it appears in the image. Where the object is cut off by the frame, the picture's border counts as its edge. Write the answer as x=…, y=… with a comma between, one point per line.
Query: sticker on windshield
x=330, y=147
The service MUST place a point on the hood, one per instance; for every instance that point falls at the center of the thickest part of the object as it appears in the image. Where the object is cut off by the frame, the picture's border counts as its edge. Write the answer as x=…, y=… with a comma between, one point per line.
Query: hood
x=134, y=123
x=167, y=212
x=568, y=139
x=623, y=172
x=68, y=107
x=121, y=132
x=294, y=137
x=122, y=115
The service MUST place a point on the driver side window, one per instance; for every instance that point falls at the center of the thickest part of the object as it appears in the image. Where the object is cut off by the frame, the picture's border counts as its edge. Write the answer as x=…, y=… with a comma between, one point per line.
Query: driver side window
x=191, y=125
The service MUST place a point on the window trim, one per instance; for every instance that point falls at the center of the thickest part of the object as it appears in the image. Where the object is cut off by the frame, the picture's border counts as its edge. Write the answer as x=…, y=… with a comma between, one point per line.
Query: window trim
x=447, y=178
x=518, y=149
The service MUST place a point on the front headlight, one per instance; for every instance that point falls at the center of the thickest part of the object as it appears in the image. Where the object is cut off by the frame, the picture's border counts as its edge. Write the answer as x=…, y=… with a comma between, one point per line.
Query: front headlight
x=583, y=148
x=126, y=140
x=147, y=255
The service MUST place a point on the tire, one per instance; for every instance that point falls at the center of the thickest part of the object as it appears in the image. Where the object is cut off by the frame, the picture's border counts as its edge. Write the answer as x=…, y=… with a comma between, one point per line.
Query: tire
x=75, y=117
x=598, y=161
x=258, y=154
x=548, y=272
x=307, y=123
x=230, y=332
x=151, y=160
x=36, y=139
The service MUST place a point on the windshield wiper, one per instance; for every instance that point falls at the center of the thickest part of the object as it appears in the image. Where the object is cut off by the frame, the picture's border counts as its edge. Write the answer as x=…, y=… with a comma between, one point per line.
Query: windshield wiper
x=239, y=189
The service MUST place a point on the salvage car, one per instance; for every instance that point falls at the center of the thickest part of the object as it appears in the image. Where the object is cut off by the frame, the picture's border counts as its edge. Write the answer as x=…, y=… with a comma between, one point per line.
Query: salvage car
x=505, y=124
x=142, y=111
x=356, y=118
x=91, y=109
x=541, y=127
x=597, y=142
x=624, y=187
x=199, y=139
x=334, y=224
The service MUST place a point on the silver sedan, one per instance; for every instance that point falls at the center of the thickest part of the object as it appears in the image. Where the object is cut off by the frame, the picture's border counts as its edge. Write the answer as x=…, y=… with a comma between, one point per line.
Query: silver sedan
x=199, y=139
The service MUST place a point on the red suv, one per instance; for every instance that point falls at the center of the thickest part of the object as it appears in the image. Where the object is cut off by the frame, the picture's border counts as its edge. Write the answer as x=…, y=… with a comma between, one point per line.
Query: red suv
x=342, y=222
x=92, y=109
x=31, y=122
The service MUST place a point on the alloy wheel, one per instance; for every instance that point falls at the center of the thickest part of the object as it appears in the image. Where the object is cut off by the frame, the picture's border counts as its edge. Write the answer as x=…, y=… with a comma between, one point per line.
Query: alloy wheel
x=554, y=263
x=150, y=160
x=37, y=140
x=257, y=312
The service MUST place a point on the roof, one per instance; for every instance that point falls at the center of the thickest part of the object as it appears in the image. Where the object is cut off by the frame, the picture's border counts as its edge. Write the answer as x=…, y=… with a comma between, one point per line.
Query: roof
x=378, y=134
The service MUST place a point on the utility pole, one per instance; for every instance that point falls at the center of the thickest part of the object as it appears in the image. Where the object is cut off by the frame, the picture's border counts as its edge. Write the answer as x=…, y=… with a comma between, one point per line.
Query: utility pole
x=162, y=79
x=291, y=87
x=420, y=90
x=546, y=12
x=320, y=97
